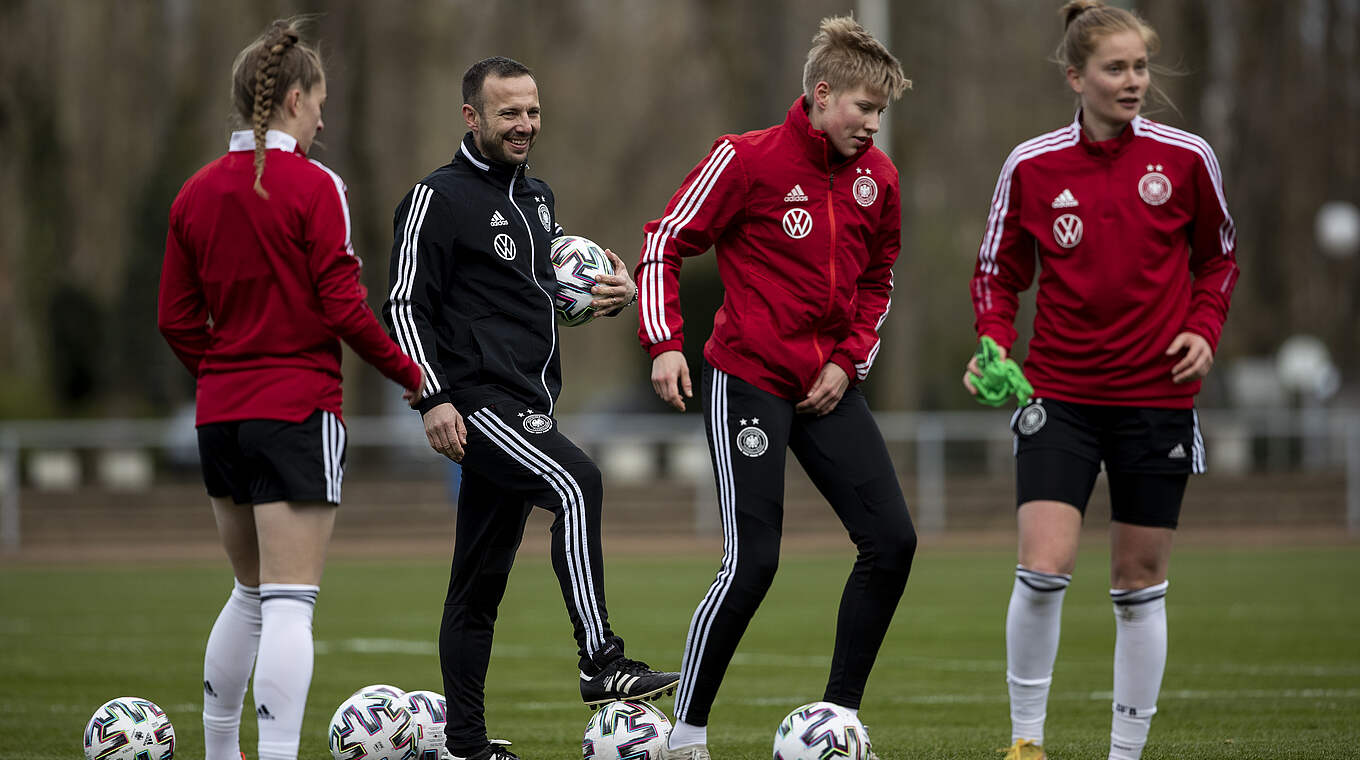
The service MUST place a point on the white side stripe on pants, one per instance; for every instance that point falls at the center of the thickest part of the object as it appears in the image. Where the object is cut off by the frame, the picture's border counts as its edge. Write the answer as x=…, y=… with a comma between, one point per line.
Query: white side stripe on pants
x=702, y=623
x=568, y=490
x=332, y=453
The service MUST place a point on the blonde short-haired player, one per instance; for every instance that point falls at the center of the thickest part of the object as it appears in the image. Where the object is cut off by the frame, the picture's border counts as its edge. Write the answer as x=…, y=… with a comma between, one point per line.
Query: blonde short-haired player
x=806, y=222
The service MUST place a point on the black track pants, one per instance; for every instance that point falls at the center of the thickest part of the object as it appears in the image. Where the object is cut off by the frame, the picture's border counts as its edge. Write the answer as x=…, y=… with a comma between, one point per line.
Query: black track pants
x=748, y=432
x=516, y=460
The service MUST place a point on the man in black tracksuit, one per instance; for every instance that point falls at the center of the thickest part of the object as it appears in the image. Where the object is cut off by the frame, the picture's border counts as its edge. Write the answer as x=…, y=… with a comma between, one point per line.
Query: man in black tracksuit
x=472, y=302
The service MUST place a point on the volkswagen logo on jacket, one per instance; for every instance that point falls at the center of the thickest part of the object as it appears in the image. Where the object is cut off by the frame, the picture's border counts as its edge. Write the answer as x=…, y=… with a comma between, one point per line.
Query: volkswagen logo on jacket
x=505, y=247
x=797, y=223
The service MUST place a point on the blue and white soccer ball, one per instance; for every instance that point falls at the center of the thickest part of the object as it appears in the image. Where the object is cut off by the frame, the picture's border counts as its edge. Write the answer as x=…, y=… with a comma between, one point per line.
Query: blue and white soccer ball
x=576, y=261
x=428, y=710
x=821, y=731
x=129, y=728
x=373, y=725
x=626, y=731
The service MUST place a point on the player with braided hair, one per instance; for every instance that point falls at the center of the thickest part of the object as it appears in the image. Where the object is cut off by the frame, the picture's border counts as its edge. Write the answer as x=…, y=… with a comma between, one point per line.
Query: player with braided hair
x=281, y=37
x=260, y=283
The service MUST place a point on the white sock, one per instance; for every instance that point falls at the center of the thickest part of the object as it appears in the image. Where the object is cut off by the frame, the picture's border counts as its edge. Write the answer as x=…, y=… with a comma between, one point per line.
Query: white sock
x=1139, y=660
x=685, y=734
x=227, y=662
x=283, y=669
x=1033, y=622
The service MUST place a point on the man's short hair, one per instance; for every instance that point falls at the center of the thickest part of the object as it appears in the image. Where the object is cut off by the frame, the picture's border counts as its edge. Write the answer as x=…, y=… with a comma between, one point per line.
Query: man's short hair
x=477, y=73
x=845, y=56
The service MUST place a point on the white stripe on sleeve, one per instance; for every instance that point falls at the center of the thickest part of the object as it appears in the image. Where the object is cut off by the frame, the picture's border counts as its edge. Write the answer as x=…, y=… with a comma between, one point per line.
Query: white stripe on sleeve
x=400, y=309
x=1001, y=199
x=1227, y=230
x=344, y=203
x=652, y=280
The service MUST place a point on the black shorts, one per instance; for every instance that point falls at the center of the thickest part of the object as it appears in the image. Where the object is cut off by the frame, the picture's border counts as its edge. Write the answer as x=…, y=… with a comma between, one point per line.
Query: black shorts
x=259, y=461
x=1148, y=455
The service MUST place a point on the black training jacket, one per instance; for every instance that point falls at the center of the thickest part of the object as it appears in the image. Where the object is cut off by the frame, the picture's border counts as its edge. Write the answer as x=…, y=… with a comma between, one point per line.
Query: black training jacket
x=472, y=286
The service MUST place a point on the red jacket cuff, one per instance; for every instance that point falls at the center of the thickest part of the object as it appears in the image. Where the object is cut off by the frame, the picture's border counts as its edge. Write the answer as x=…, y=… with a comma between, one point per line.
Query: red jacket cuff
x=656, y=349
x=843, y=361
x=410, y=375
x=1003, y=338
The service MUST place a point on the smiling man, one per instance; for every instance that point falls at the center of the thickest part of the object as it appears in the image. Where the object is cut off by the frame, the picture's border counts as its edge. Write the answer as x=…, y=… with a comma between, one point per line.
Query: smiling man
x=805, y=218
x=472, y=302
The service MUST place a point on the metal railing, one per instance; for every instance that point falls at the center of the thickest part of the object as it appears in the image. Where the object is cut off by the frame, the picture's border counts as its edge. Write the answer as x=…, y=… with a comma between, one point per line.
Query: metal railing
x=1326, y=439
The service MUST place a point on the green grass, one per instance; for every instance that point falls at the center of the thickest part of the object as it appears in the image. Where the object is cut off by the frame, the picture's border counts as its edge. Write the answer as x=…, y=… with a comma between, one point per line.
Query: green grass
x=1264, y=653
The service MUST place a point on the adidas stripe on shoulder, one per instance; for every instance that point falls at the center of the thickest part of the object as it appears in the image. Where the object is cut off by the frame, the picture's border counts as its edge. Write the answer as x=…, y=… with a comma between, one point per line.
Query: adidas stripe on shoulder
x=1001, y=198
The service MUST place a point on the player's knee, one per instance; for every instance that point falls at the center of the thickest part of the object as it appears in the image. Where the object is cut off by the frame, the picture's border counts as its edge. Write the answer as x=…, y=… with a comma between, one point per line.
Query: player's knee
x=1135, y=570
x=895, y=552
x=1135, y=576
x=587, y=475
x=755, y=574
x=1043, y=560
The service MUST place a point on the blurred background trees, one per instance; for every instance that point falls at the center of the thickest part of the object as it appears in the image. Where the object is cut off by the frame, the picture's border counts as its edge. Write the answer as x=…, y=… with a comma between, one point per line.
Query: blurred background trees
x=106, y=108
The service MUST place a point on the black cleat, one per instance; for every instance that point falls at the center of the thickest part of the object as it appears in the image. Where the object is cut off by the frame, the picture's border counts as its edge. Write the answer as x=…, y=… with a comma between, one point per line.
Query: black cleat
x=626, y=679
x=494, y=750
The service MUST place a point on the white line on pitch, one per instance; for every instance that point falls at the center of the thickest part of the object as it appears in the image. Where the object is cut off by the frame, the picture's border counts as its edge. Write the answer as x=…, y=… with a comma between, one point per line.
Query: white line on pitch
x=1097, y=696
x=422, y=648
x=767, y=659
x=1001, y=698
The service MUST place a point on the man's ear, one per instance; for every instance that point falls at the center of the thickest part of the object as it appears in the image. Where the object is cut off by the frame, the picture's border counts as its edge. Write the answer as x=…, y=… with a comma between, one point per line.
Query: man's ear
x=470, y=117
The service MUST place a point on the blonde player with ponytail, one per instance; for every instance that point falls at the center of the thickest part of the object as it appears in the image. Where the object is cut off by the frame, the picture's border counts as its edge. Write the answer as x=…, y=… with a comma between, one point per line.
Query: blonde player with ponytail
x=259, y=286
x=1123, y=222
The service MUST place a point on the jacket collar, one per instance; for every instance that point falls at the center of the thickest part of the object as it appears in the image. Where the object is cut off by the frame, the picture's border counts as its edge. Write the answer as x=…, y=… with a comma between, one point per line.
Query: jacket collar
x=468, y=151
x=1107, y=148
x=816, y=146
x=244, y=139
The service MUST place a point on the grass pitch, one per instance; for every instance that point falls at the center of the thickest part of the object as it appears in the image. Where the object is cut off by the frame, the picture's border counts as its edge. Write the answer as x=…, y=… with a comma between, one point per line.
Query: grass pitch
x=1264, y=652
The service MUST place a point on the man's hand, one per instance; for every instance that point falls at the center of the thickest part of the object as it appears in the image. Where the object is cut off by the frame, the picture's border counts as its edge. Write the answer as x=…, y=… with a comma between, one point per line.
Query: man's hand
x=1198, y=359
x=973, y=370
x=445, y=431
x=826, y=392
x=670, y=378
x=614, y=291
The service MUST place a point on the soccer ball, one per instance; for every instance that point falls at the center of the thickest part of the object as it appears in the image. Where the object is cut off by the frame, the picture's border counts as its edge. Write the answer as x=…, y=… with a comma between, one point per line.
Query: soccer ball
x=427, y=710
x=372, y=725
x=383, y=688
x=626, y=731
x=576, y=261
x=129, y=728
x=821, y=731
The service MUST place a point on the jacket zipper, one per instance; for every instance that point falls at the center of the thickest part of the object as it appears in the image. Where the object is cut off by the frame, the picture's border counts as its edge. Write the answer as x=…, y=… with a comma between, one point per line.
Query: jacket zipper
x=533, y=262
x=831, y=264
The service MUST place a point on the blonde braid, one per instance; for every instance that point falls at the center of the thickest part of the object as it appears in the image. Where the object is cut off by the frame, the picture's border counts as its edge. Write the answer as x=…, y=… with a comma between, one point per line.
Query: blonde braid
x=280, y=39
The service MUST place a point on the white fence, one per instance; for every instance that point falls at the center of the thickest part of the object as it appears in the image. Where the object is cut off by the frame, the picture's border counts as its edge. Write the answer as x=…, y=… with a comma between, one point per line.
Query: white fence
x=1238, y=441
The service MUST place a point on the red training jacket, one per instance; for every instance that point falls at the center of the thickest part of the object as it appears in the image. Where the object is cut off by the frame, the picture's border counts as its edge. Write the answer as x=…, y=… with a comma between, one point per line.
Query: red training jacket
x=805, y=240
x=1135, y=245
x=254, y=292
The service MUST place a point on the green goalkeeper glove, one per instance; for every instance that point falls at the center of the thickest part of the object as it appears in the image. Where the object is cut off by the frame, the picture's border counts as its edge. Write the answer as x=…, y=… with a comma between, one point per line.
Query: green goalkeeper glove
x=1000, y=377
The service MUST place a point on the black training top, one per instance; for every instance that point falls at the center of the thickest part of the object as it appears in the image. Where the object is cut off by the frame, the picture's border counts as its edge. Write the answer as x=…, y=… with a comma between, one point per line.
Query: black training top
x=472, y=284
